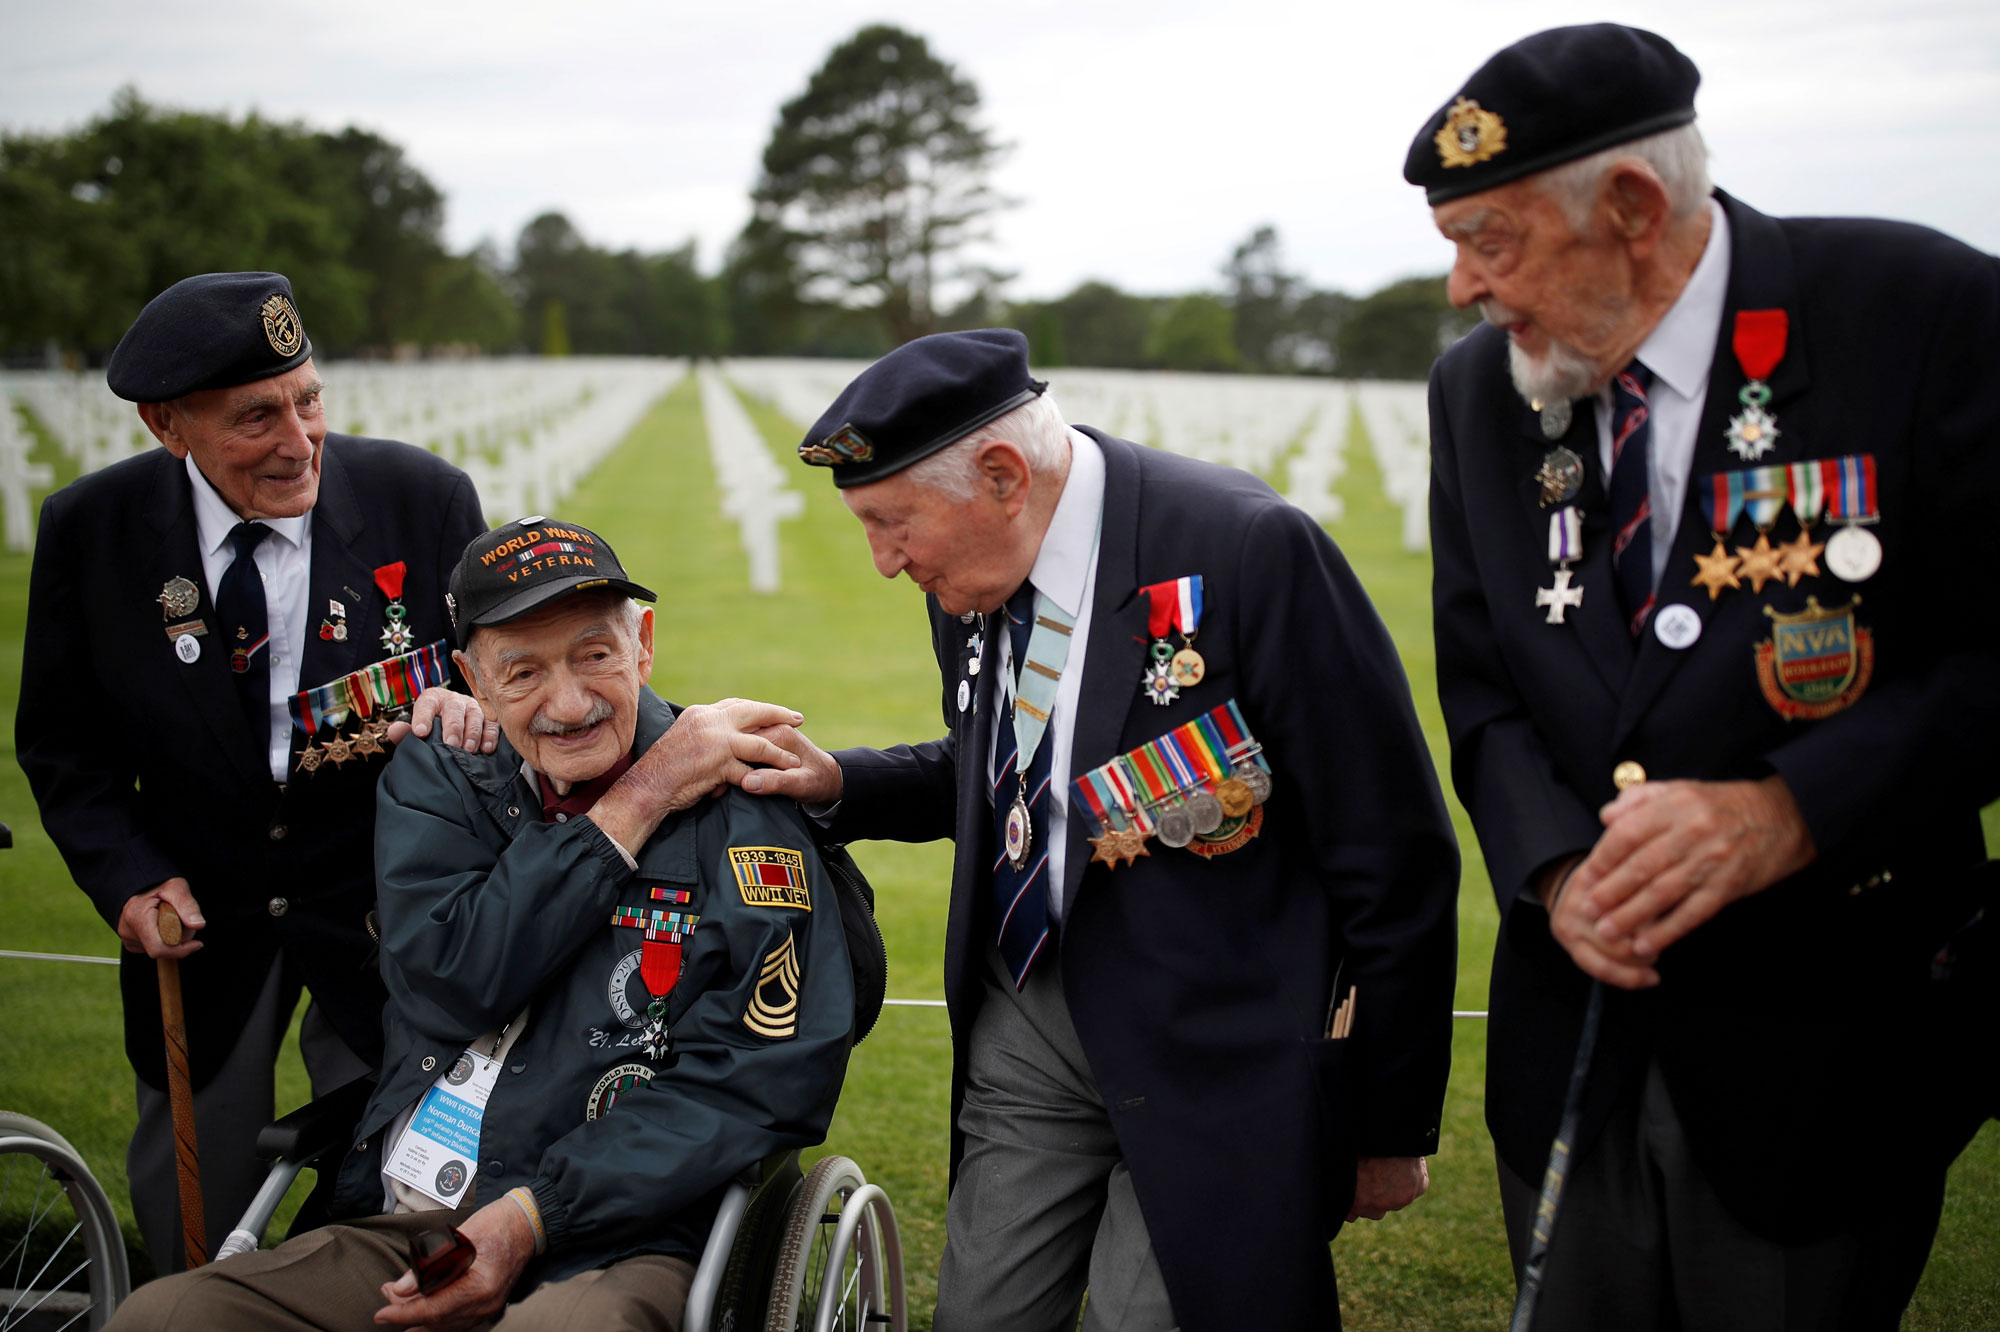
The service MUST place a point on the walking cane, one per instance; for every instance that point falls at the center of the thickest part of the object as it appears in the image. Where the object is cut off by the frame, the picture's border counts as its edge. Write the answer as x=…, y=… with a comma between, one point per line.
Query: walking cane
x=1561, y=1151
x=180, y=1093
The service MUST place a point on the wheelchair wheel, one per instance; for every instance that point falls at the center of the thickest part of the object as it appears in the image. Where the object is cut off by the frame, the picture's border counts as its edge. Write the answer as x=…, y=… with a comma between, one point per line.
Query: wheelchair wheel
x=62, y=1255
x=841, y=1264
x=742, y=1298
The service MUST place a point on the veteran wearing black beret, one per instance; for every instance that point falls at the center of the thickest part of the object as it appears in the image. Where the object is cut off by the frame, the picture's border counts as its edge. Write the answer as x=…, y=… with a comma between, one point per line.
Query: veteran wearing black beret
x=1200, y=952
x=1704, y=489
x=199, y=719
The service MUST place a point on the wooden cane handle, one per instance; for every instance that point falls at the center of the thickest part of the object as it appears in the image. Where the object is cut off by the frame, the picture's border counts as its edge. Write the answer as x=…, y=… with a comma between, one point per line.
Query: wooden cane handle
x=180, y=1095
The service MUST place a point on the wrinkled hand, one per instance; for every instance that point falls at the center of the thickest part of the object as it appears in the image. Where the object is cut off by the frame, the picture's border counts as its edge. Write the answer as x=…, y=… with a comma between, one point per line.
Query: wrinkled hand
x=139, y=921
x=707, y=749
x=815, y=781
x=1385, y=1184
x=1573, y=924
x=466, y=726
x=505, y=1241
x=1675, y=853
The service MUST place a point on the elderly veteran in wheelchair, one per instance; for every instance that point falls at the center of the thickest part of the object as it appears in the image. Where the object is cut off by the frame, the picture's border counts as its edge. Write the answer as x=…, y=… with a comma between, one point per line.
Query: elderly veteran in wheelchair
x=608, y=992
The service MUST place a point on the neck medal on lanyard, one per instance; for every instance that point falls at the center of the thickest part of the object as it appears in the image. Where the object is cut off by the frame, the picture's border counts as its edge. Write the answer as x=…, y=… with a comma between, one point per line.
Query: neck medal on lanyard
x=1173, y=605
x=1721, y=501
x=1038, y=678
x=396, y=638
x=659, y=963
x=1759, y=344
x=1853, y=553
x=1565, y=545
x=1765, y=490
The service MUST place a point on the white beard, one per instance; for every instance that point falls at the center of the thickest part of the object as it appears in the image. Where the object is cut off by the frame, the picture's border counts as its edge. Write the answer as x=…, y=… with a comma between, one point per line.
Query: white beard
x=1560, y=374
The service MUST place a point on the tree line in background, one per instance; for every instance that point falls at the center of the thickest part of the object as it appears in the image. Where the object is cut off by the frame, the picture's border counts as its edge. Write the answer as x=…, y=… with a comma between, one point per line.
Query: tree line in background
x=869, y=212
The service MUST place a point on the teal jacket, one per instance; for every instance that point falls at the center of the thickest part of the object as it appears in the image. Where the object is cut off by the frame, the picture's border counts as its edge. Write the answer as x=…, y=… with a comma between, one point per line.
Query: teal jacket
x=486, y=909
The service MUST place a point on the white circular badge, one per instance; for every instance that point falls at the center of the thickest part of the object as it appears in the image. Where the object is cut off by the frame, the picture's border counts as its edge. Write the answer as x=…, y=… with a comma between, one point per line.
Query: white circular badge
x=964, y=695
x=1853, y=554
x=188, y=648
x=1677, y=625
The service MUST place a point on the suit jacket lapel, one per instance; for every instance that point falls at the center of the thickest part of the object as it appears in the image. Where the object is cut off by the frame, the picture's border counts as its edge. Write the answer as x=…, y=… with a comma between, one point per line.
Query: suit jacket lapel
x=210, y=689
x=1597, y=622
x=1760, y=278
x=338, y=572
x=1115, y=656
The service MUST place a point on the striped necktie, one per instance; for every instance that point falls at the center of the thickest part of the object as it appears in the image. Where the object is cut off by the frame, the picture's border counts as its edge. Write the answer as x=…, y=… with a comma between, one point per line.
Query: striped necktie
x=1631, y=493
x=1020, y=896
x=239, y=604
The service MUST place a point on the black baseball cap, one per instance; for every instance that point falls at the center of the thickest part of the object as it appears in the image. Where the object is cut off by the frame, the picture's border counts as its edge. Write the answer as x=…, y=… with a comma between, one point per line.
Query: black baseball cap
x=215, y=330
x=520, y=566
x=1548, y=99
x=916, y=400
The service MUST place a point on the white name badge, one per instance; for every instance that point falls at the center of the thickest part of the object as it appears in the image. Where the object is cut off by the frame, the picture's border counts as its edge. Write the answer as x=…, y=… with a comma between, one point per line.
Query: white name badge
x=438, y=1154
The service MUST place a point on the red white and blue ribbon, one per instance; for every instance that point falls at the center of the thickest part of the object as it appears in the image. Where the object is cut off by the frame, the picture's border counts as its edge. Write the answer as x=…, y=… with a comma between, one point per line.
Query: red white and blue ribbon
x=1174, y=605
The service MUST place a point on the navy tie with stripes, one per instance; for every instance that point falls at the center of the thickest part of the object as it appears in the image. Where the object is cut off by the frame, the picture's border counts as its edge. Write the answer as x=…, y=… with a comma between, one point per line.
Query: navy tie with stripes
x=1020, y=896
x=1631, y=493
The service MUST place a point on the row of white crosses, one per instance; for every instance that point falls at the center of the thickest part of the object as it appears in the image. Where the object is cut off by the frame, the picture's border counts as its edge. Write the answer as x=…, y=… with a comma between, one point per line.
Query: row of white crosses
x=20, y=480
x=1397, y=419
x=527, y=430
x=751, y=479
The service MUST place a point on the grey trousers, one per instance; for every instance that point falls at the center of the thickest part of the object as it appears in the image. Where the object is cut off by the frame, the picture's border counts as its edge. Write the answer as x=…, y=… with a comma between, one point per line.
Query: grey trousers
x=228, y=1113
x=1043, y=1208
x=1643, y=1244
x=330, y=1280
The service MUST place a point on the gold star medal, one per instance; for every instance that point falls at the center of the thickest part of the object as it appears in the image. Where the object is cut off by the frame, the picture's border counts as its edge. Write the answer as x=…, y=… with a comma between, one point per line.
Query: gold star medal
x=310, y=758
x=1762, y=563
x=1716, y=570
x=1765, y=490
x=339, y=750
x=1799, y=558
x=367, y=742
x=1721, y=497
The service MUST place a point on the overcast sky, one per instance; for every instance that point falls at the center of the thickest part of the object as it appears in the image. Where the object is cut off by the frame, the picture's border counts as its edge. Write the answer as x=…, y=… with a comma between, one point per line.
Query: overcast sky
x=1148, y=137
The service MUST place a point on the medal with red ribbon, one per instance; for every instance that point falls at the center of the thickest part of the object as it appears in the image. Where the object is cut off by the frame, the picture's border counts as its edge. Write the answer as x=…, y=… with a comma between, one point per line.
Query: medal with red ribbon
x=397, y=636
x=659, y=963
x=1759, y=344
x=1174, y=605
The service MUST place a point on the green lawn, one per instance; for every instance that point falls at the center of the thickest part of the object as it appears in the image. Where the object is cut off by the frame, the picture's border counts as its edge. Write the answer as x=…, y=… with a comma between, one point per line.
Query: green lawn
x=851, y=651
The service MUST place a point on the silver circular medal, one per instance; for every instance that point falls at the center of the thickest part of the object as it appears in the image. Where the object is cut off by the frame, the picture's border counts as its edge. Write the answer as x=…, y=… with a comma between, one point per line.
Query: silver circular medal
x=188, y=648
x=1556, y=417
x=1020, y=833
x=1560, y=476
x=1205, y=811
x=179, y=598
x=1853, y=554
x=1677, y=625
x=1256, y=779
x=1174, y=825
x=964, y=695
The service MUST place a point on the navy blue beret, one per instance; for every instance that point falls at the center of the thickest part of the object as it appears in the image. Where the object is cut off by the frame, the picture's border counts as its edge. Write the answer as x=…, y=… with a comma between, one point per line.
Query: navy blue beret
x=917, y=399
x=1549, y=99
x=213, y=331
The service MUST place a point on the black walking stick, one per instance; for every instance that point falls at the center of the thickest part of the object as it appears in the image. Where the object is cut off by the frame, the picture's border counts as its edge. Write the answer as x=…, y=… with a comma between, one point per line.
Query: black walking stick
x=1560, y=1156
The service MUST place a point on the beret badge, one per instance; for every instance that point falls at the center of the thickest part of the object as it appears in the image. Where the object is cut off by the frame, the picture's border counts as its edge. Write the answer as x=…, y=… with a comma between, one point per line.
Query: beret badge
x=282, y=326
x=845, y=445
x=1470, y=135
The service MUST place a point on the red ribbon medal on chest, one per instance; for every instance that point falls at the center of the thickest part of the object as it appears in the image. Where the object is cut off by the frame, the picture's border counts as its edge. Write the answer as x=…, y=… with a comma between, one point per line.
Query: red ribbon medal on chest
x=1759, y=343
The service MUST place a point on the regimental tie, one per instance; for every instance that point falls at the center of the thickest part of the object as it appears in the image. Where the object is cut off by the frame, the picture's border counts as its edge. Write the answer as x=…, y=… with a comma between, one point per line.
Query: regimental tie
x=1039, y=634
x=246, y=625
x=1631, y=493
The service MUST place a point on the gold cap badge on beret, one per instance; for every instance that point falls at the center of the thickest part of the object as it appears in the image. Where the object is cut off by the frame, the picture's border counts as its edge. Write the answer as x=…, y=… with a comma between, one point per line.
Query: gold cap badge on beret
x=282, y=326
x=1470, y=135
x=845, y=445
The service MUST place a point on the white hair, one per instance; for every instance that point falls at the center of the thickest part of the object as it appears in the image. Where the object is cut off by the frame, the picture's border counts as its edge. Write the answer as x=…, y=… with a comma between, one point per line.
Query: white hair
x=1036, y=428
x=1678, y=155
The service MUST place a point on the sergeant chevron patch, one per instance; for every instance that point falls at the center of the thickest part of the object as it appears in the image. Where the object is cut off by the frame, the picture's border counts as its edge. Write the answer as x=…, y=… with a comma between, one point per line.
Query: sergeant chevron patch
x=774, y=1003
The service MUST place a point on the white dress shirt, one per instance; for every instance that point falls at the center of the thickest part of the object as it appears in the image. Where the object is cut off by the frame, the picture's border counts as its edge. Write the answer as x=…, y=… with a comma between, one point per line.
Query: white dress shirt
x=1679, y=351
x=284, y=562
x=1066, y=572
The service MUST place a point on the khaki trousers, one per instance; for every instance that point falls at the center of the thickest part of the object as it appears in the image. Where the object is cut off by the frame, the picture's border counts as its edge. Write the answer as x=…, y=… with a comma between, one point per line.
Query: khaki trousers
x=330, y=1280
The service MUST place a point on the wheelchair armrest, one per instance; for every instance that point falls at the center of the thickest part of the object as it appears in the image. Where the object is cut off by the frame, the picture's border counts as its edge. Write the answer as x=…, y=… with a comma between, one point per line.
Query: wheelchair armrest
x=318, y=1127
x=779, y=1165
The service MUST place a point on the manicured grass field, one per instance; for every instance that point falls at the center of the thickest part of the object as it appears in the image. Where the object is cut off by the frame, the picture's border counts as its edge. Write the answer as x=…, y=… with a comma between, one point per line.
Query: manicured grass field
x=851, y=651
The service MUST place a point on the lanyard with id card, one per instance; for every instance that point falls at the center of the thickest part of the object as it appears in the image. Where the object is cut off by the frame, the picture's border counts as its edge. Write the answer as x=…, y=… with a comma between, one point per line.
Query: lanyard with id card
x=438, y=1154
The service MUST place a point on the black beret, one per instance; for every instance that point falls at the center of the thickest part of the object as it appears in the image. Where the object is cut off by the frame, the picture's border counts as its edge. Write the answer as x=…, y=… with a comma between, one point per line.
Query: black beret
x=1549, y=99
x=917, y=399
x=212, y=331
x=521, y=565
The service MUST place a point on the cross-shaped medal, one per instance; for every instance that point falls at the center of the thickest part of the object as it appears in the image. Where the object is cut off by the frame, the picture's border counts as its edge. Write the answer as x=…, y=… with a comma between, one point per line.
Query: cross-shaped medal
x=1560, y=597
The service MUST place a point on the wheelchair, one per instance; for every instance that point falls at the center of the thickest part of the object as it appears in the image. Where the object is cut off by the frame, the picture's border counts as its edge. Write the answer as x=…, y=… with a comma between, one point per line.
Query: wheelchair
x=790, y=1251
x=62, y=1256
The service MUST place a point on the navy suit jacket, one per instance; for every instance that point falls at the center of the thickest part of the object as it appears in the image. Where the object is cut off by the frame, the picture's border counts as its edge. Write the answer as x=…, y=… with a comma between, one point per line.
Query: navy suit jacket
x=1791, y=1027
x=1200, y=988
x=145, y=768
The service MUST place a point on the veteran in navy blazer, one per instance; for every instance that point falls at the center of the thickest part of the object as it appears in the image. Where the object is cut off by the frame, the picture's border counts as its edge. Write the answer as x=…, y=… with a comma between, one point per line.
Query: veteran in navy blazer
x=149, y=775
x=1740, y=792
x=1163, y=1071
